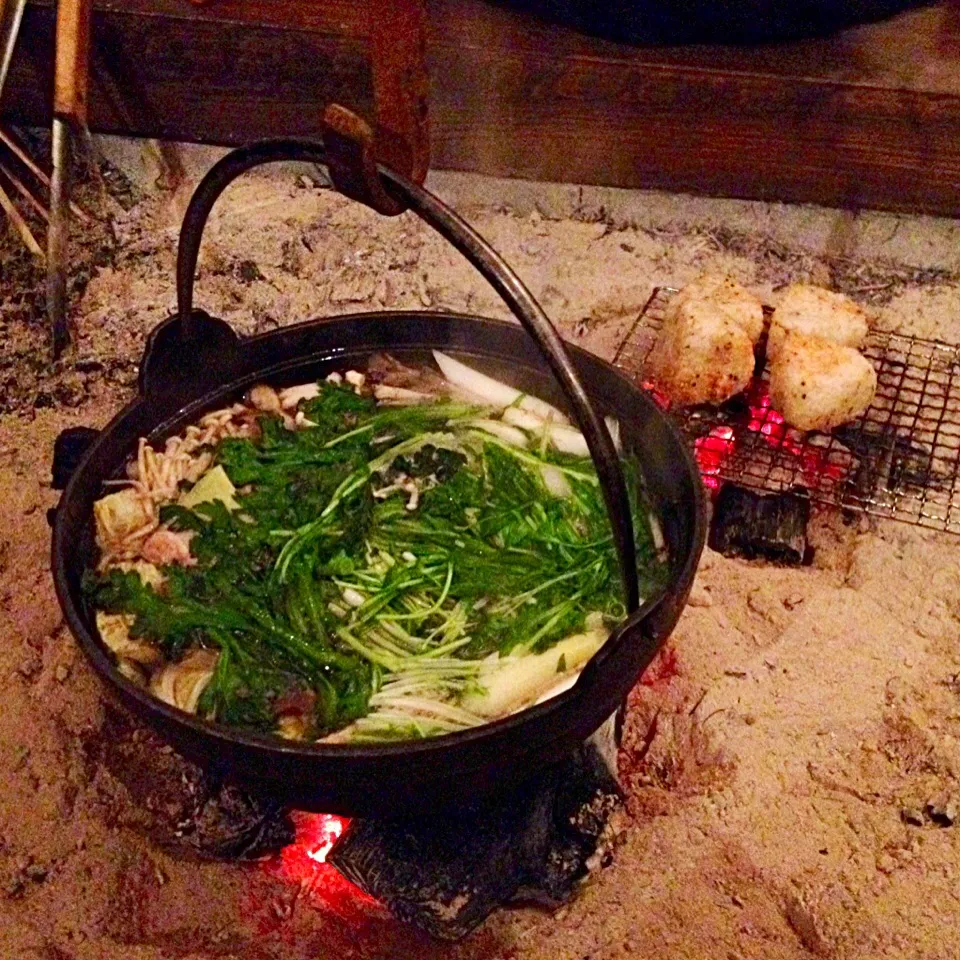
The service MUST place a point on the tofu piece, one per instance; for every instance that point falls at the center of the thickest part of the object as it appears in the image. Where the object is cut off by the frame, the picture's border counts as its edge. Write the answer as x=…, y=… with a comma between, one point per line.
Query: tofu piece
x=147, y=572
x=119, y=514
x=818, y=384
x=745, y=309
x=701, y=355
x=114, y=630
x=816, y=312
x=213, y=485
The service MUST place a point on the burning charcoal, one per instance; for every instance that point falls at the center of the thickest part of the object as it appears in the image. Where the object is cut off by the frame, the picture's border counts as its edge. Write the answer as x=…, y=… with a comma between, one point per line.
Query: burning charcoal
x=445, y=875
x=886, y=452
x=751, y=525
x=582, y=808
x=910, y=466
x=701, y=421
x=837, y=461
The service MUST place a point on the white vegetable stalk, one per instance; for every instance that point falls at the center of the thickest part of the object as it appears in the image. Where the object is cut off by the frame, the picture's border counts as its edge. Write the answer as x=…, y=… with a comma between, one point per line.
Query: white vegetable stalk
x=494, y=392
x=354, y=597
x=400, y=396
x=555, y=481
x=567, y=439
x=507, y=684
x=503, y=431
x=561, y=436
x=524, y=419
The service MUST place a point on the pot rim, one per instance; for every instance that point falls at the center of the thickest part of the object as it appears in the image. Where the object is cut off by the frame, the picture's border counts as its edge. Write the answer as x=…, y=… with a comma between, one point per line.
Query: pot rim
x=166, y=715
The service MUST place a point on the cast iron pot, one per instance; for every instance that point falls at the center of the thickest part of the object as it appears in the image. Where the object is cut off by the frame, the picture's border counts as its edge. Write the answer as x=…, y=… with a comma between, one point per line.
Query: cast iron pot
x=194, y=363
x=712, y=21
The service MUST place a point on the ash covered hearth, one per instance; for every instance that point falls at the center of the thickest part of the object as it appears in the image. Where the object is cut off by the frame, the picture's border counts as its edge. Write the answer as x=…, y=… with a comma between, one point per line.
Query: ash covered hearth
x=788, y=768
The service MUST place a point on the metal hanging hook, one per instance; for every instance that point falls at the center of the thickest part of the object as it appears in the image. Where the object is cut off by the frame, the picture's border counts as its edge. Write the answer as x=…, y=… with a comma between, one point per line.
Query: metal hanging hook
x=399, y=138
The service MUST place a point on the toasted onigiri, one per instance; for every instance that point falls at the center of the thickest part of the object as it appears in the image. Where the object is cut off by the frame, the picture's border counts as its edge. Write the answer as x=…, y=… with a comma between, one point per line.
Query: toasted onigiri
x=701, y=355
x=818, y=384
x=745, y=309
x=813, y=311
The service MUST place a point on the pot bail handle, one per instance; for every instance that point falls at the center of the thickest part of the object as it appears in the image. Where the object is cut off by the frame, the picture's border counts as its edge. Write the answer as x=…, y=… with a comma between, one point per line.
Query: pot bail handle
x=490, y=265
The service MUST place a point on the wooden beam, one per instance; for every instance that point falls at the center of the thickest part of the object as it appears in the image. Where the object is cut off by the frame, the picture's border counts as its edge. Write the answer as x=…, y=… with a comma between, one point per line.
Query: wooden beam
x=870, y=117
x=338, y=18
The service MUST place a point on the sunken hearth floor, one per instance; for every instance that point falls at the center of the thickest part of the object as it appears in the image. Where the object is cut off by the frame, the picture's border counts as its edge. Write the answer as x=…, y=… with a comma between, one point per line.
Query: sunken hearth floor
x=791, y=763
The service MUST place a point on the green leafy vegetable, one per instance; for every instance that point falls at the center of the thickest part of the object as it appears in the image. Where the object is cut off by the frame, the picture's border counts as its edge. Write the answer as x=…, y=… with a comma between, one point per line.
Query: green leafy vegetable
x=371, y=563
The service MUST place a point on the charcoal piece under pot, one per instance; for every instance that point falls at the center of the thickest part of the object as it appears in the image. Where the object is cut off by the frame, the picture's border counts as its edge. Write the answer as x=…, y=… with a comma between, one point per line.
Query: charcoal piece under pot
x=231, y=823
x=772, y=526
x=181, y=807
x=446, y=874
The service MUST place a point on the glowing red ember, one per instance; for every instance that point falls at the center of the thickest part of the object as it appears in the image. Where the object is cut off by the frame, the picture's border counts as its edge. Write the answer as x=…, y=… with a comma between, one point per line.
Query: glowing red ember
x=768, y=422
x=662, y=670
x=714, y=450
x=656, y=395
x=304, y=863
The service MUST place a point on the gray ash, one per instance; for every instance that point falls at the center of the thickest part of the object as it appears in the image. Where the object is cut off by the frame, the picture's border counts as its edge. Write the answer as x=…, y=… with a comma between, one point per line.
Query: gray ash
x=148, y=786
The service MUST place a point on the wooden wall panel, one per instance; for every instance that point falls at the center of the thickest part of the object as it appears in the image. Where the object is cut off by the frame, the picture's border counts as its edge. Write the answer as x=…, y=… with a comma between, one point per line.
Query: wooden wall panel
x=584, y=110
x=197, y=78
x=642, y=125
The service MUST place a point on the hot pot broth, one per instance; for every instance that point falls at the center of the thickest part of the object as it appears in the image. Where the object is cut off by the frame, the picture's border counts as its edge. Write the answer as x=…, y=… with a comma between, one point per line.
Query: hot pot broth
x=400, y=553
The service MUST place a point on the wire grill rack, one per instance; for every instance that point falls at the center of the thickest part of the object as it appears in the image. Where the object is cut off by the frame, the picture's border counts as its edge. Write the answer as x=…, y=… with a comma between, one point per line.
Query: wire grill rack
x=901, y=460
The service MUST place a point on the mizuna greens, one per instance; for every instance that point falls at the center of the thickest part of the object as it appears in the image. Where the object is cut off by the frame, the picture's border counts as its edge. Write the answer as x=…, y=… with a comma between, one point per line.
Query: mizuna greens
x=355, y=568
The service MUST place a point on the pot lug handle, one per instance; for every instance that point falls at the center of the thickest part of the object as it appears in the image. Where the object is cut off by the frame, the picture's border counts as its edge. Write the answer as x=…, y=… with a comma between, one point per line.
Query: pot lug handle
x=180, y=354
x=483, y=257
x=68, y=450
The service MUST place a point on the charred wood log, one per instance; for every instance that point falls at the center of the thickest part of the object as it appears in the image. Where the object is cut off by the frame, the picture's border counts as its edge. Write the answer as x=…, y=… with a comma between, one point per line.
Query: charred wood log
x=761, y=525
x=147, y=786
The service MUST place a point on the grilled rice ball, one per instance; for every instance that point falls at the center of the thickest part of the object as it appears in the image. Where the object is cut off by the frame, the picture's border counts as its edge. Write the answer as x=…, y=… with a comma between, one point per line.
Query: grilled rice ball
x=701, y=355
x=744, y=308
x=813, y=311
x=818, y=384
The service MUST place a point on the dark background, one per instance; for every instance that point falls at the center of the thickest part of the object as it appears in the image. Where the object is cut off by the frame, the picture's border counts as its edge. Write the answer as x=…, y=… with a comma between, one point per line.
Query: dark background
x=710, y=21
